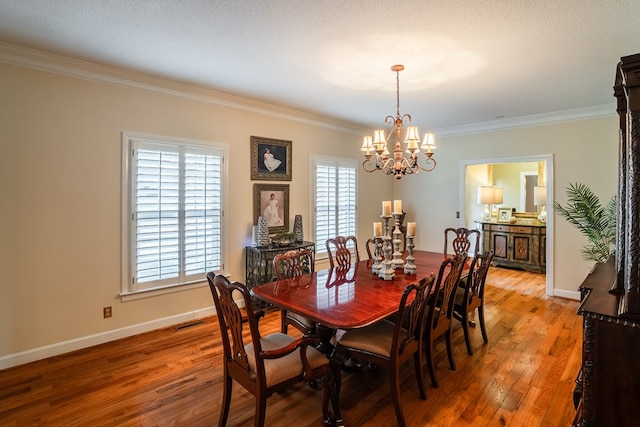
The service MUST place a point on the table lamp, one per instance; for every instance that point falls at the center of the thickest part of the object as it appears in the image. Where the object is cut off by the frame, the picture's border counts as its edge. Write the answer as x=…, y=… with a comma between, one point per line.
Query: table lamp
x=489, y=195
x=540, y=199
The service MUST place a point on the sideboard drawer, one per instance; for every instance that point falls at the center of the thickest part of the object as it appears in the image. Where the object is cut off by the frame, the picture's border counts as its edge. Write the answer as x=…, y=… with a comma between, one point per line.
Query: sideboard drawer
x=512, y=228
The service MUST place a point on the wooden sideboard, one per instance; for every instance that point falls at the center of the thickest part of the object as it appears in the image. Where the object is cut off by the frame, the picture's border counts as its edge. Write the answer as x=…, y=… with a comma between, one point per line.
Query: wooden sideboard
x=516, y=245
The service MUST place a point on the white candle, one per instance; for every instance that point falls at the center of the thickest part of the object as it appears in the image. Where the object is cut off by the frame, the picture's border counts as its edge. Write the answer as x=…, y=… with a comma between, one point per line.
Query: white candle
x=411, y=229
x=377, y=229
x=386, y=208
x=397, y=206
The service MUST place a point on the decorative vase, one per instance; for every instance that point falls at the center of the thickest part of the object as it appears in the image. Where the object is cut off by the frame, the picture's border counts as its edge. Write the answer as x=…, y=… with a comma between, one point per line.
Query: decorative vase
x=263, y=232
x=297, y=228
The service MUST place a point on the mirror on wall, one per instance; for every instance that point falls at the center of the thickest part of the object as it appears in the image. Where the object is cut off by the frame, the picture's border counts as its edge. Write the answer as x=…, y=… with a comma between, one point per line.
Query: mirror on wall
x=517, y=181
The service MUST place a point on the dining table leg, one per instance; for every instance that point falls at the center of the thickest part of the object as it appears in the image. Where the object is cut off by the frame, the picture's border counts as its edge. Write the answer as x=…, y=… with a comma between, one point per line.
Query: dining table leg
x=325, y=334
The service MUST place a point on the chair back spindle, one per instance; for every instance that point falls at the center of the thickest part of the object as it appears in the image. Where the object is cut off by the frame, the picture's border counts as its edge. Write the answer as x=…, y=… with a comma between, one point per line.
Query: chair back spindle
x=461, y=240
x=339, y=250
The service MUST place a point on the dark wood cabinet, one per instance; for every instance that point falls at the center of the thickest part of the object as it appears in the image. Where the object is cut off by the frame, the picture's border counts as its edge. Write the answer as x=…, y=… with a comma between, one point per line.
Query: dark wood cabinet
x=516, y=245
x=608, y=385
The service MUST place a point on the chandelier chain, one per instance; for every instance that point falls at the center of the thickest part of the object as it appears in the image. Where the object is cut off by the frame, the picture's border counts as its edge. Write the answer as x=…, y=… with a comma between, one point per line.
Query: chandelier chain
x=398, y=93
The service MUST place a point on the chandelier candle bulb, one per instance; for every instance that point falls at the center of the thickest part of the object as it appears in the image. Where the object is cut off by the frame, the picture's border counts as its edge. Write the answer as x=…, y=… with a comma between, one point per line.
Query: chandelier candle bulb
x=411, y=229
x=386, y=208
x=397, y=206
x=377, y=229
x=367, y=145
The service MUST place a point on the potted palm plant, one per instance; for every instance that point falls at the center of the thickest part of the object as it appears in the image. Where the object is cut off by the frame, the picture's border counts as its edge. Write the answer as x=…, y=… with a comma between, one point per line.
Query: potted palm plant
x=592, y=219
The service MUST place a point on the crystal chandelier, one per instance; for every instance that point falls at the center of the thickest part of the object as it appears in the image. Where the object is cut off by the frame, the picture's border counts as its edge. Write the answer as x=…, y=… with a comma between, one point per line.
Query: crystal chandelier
x=398, y=165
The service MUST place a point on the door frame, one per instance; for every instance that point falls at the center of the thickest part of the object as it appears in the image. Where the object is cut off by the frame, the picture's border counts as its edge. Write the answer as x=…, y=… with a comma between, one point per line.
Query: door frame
x=548, y=158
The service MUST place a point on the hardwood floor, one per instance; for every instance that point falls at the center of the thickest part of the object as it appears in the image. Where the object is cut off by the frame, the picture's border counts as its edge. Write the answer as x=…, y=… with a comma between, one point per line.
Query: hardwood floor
x=524, y=376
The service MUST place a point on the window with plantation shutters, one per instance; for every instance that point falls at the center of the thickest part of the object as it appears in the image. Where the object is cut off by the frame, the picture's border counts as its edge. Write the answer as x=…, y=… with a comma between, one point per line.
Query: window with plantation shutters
x=335, y=199
x=174, y=212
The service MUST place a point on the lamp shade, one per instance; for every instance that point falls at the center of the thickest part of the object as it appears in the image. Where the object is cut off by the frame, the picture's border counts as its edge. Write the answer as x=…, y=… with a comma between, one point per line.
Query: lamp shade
x=490, y=195
x=539, y=195
x=497, y=195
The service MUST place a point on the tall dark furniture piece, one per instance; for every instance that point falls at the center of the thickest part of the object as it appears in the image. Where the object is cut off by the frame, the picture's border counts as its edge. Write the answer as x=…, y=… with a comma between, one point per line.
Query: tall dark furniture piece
x=259, y=263
x=608, y=386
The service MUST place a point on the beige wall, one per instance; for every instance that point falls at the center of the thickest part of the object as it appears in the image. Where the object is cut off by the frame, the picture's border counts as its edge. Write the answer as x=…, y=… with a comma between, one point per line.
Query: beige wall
x=60, y=181
x=61, y=198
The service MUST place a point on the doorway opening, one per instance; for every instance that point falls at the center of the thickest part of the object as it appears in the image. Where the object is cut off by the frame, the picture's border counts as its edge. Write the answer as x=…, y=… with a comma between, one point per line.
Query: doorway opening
x=471, y=211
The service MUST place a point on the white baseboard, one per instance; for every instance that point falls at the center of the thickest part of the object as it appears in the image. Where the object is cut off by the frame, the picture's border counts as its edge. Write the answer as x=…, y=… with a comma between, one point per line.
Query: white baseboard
x=39, y=353
x=566, y=294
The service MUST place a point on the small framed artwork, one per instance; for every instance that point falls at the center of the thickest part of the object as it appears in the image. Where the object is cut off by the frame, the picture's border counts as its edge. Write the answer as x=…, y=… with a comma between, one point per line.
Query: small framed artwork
x=271, y=201
x=270, y=159
x=504, y=214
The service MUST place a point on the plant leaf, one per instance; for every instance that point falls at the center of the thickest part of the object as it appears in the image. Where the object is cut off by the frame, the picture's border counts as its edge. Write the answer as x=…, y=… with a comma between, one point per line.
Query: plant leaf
x=597, y=223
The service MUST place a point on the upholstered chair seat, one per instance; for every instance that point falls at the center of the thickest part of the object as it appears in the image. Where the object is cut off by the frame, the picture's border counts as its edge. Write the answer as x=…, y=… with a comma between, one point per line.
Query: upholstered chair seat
x=286, y=367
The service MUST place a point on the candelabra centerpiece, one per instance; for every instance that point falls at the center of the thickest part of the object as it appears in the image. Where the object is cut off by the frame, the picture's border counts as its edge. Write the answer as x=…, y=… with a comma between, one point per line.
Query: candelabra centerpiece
x=387, y=254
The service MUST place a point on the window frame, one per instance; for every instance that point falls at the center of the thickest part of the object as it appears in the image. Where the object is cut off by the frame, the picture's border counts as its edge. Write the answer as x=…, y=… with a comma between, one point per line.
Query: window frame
x=130, y=290
x=315, y=160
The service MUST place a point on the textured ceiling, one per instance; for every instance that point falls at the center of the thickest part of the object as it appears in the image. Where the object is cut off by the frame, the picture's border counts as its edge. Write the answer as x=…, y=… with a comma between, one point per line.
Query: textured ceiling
x=466, y=61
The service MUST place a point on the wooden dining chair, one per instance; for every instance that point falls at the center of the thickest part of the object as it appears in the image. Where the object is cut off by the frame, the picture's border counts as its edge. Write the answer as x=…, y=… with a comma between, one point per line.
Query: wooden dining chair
x=370, y=246
x=340, y=250
x=440, y=310
x=388, y=344
x=470, y=296
x=288, y=265
x=265, y=364
x=461, y=240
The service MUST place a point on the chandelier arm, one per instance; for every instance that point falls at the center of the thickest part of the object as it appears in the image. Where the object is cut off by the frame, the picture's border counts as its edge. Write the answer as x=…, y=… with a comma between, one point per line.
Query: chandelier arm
x=390, y=120
x=430, y=161
x=364, y=166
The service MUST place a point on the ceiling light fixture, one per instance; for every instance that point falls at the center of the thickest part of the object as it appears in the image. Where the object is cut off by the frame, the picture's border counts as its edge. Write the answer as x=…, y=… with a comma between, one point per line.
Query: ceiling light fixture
x=398, y=165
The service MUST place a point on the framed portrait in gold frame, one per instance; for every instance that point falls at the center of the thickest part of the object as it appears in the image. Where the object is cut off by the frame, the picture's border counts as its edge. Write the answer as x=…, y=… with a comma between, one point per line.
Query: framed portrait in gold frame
x=270, y=159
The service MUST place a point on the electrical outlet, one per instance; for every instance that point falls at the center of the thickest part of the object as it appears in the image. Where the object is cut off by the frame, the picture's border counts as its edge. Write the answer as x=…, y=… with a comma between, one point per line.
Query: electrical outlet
x=106, y=312
x=458, y=214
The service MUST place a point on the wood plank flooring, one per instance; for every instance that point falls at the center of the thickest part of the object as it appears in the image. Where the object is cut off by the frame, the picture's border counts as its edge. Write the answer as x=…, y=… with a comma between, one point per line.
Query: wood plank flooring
x=524, y=376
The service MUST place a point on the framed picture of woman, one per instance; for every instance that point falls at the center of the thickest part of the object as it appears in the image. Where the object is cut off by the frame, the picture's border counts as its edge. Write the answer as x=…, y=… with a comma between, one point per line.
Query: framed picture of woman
x=271, y=201
x=270, y=159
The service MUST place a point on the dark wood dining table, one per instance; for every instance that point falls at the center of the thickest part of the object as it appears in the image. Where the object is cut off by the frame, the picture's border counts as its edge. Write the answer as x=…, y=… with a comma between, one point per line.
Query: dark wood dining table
x=346, y=298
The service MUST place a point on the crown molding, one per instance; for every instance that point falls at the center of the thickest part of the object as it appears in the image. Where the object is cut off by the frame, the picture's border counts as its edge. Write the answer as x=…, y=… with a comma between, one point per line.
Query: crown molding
x=597, y=111
x=44, y=61
x=58, y=64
